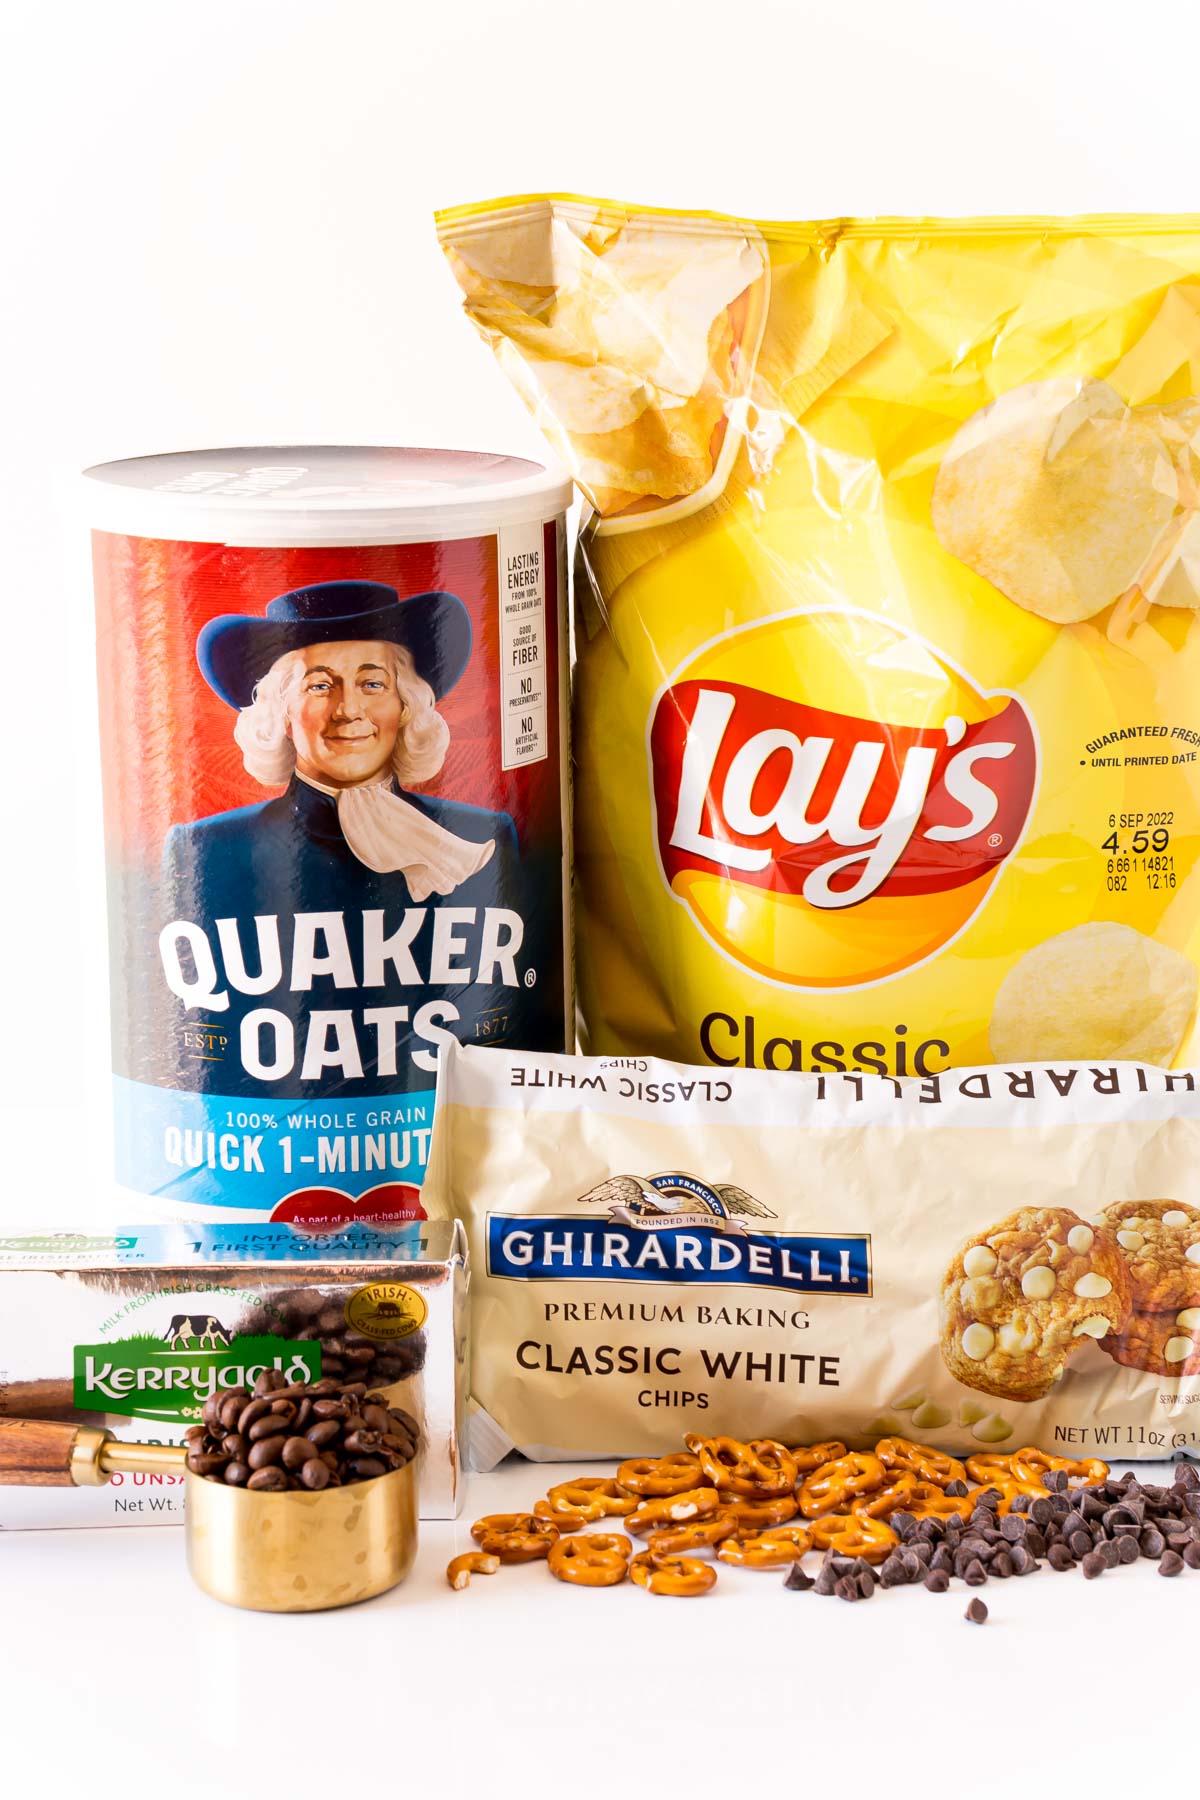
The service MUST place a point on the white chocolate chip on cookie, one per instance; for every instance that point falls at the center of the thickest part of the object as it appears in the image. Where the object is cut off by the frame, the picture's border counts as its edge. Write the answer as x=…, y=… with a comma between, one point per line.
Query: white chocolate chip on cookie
x=1095, y=1327
x=980, y=1259
x=1178, y=1349
x=1039, y=1283
x=1130, y=1240
x=1175, y=1218
x=1193, y=1253
x=1092, y=1287
x=1080, y=1239
x=978, y=1341
x=1189, y=1318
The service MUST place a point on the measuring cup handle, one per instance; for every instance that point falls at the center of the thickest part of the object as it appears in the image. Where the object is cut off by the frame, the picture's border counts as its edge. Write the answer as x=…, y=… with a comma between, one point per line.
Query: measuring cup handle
x=38, y=1453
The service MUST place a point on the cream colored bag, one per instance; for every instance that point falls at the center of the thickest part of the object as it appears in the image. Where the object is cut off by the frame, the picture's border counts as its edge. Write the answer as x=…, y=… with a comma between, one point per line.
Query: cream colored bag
x=990, y=1257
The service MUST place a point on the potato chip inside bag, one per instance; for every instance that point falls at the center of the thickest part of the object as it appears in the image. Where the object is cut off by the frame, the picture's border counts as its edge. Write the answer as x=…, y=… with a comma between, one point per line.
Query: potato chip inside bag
x=887, y=697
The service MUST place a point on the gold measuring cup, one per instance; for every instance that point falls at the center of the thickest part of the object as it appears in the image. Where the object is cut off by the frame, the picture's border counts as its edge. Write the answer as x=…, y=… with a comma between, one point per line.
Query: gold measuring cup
x=290, y=1552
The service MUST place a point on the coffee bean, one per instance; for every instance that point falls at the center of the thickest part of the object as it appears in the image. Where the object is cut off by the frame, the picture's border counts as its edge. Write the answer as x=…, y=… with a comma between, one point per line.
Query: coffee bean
x=296, y=1452
x=235, y=1446
x=314, y=1475
x=324, y=1433
x=268, y=1481
x=201, y=1463
x=976, y=1612
x=237, y=1474
x=266, y=1453
x=270, y=1426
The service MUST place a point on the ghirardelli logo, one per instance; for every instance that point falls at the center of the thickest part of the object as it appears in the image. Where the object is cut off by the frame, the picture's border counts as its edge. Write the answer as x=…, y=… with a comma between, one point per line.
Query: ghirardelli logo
x=859, y=790
x=675, y=1228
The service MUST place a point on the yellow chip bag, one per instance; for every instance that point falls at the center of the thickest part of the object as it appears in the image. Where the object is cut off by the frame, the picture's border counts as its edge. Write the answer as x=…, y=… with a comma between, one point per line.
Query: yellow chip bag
x=887, y=697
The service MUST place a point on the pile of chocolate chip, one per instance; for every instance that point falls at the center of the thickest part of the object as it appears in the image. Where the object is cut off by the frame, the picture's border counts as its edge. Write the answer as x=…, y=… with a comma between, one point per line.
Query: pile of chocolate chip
x=316, y=1435
x=1094, y=1528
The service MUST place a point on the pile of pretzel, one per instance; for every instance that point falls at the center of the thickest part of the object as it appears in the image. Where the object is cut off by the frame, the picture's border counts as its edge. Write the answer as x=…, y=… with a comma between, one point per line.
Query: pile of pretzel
x=757, y=1505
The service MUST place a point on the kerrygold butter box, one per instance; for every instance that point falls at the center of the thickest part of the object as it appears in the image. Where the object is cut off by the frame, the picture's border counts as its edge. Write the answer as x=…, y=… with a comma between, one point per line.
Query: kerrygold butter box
x=132, y=1331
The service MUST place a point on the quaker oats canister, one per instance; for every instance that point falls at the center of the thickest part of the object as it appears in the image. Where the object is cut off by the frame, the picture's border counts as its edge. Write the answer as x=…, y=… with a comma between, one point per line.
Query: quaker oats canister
x=332, y=706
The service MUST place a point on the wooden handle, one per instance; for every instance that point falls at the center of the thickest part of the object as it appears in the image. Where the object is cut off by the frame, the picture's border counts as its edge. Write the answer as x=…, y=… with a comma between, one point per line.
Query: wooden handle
x=36, y=1453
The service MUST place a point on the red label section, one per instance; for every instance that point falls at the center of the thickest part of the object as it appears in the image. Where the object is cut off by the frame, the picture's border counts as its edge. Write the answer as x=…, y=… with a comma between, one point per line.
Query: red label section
x=794, y=799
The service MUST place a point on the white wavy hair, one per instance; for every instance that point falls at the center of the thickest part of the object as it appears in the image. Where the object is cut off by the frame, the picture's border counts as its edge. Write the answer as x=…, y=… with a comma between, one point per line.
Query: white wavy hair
x=269, y=755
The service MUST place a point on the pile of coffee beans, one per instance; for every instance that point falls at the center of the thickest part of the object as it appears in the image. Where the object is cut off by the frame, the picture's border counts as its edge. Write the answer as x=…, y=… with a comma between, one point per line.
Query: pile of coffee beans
x=1093, y=1528
x=316, y=1435
x=307, y=1316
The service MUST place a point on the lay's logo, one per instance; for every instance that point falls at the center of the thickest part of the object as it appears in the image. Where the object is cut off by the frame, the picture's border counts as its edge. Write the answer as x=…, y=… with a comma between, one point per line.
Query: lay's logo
x=860, y=793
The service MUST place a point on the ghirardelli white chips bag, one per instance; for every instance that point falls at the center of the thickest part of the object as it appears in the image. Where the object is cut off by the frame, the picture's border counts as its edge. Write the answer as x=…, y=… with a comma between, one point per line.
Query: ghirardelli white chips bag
x=886, y=727
x=990, y=1257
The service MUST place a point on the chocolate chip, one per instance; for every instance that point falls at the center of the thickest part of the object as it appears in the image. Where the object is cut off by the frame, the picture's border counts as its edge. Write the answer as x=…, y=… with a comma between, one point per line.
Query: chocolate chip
x=1127, y=1550
x=976, y=1613
x=1191, y=1555
x=937, y=1581
x=1108, y=1550
x=958, y=1489
x=975, y=1574
x=1041, y=1512
x=1060, y=1558
x=1093, y=1564
x=846, y=1589
x=1171, y=1563
x=1080, y=1543
x=798, y=1581
x=1152, y=1542
x=1001, y=1566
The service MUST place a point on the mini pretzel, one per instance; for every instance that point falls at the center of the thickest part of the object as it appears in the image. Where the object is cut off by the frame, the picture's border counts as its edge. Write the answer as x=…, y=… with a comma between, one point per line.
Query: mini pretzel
x=679, y=1575
x=1031, y=1464
x=699, y=1534
x=758, y=1470
x=926, y=1500
x=808, y=1457
x=566, y=1517
x=921, y=1460
x=473, y=1562
x=767, y=1549
x=656, y=1476
x=761, y=1515
x=989, y=1468
x=609, y=1499
x=601, y=1560
x=896, y=1496
x=848, y=1534
x=840, y=1481
x=673, y=1509
x=514, y=1537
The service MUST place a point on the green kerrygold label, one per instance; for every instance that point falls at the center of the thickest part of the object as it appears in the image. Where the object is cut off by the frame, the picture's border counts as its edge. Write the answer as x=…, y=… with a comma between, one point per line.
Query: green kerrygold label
x=171, y=1377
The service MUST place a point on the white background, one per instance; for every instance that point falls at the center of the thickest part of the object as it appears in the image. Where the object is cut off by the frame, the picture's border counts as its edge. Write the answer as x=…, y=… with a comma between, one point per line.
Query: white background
x=216, y=229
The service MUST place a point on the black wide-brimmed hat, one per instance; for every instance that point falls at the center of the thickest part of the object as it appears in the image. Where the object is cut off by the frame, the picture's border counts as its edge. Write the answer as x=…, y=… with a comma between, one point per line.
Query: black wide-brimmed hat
x=236, y=650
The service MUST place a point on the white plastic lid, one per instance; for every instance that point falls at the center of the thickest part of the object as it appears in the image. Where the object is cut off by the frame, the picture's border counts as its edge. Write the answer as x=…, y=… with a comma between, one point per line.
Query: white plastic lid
x=279, y=496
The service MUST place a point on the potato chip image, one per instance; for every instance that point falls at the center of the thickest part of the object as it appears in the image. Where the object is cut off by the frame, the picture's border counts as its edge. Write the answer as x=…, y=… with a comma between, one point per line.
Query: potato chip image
x=1058, y=495
x=621, y=340
x=1098, y=991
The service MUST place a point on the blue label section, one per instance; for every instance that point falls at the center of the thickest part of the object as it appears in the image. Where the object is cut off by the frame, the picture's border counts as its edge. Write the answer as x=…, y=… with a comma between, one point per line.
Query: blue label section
x=599, y=1250
x=158, y=1246
x=222, y=1150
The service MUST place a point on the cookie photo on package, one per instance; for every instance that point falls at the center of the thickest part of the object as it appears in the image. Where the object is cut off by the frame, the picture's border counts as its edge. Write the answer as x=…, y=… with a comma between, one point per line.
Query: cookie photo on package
x=886, y=735
x=983, y=1259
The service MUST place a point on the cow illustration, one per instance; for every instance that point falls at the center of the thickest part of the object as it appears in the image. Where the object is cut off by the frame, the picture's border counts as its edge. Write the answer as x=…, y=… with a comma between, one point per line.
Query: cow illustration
x=208, y=1332
x=388, y=1309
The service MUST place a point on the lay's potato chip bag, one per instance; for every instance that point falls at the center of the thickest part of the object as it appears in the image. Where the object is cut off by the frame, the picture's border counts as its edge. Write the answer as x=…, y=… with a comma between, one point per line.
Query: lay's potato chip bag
x=887, y=700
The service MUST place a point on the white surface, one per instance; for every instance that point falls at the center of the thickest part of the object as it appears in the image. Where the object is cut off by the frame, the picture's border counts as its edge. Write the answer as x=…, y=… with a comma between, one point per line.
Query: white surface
x=303, y=494
x=522, y=1685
